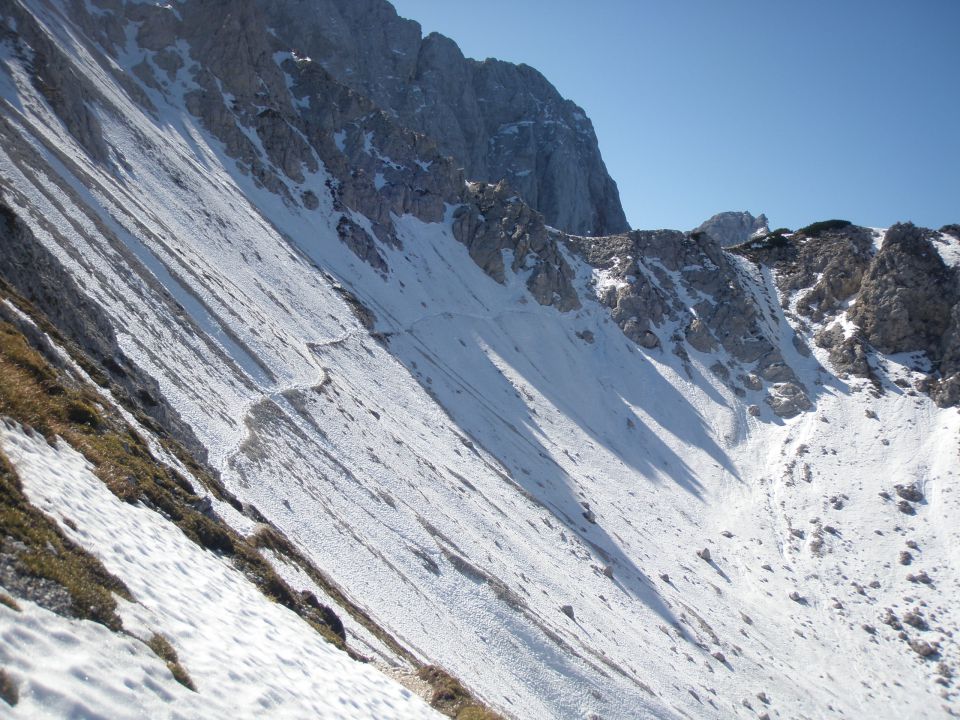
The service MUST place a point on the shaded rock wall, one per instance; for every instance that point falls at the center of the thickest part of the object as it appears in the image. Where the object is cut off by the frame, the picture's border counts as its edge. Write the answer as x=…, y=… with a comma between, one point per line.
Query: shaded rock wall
x=498, y=120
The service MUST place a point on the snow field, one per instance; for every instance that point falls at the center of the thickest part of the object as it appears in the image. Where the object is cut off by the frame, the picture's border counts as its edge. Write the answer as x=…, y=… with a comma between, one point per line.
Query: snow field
x=247, y=656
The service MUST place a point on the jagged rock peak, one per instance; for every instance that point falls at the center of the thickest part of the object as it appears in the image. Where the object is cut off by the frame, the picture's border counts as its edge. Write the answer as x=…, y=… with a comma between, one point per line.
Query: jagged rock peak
x=873, y=294
x=498, y=119
x=733, y=228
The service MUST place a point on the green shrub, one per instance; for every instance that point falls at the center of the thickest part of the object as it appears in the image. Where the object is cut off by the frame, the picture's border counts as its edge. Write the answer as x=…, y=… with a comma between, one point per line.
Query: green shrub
x=817, y=228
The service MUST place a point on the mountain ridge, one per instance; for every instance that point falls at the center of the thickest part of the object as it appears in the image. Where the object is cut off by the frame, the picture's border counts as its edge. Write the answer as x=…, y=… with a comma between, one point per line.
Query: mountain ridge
x=613, y=476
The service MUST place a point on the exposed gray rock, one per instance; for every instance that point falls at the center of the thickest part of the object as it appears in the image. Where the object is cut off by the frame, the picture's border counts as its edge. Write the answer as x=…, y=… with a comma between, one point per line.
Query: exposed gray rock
x=910, y=301
x=826, y=269
x=909, y=492
x=700, y=337
x=651, y=276
x=907, y=298
x=69, y=94
x=360, y=242
x=902, y=298
x=915, y=619
x=733, y=228
x=45, y=592
x=906, y=508
x=494, y=220
x=923, y=648
x=300, y=115
x=788, y=400
x=848, y=355
x=499, y=120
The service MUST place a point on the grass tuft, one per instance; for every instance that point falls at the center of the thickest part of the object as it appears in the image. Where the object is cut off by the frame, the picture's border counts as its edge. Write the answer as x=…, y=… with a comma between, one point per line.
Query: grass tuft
x=451, y=698
x=9, y=602
x=9, y=692
x=165, y=651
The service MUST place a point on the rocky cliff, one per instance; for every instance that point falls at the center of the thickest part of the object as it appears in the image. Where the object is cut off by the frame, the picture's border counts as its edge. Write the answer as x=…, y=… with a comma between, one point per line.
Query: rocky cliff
x=868, y=294
x=500, y=121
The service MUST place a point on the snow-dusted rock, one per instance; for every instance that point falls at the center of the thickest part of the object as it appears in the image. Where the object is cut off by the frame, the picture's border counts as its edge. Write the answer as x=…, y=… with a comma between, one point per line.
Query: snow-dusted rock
x=734, y=228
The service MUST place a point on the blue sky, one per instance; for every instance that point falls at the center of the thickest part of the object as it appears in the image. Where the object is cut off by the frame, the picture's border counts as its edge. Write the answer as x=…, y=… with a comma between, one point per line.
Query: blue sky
x=802, y=110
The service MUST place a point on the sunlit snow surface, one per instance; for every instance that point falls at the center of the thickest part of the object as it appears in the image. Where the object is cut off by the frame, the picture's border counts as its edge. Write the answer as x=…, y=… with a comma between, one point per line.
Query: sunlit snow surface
x=248, y=657
x=442, y=479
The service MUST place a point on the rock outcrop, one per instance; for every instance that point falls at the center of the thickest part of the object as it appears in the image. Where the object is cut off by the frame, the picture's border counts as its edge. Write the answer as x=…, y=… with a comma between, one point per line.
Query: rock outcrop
x=493, y=220
x=733, y=228
x=910, y=302
x=908, y=296
x=500, y=121
x=666, y=287
x=900, y=298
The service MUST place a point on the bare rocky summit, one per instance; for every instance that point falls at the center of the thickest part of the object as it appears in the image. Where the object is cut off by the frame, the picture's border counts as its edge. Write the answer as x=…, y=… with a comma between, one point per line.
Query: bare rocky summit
x=733, y=228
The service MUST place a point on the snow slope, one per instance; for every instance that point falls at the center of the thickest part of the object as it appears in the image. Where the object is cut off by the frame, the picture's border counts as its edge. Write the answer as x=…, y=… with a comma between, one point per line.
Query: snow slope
x=247, y=656
x=509, y=500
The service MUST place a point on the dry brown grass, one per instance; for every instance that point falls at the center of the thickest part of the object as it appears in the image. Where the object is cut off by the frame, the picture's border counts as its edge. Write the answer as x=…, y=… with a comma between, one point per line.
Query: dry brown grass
x=451, y=698
x=50, y=555
x=9, y=692
x=9, y=602
x=165, y=651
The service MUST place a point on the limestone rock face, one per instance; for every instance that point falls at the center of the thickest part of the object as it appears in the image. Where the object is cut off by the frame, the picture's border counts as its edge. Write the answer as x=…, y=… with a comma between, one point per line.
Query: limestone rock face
x=908, y=296
x=900, y=298
x=494, y=220
x=68, y=93
x=683, y=289
x=788, y=400
x=733, y=228
x=910, y=302
x=826, y=270
x=499, y=121
x=280, y=115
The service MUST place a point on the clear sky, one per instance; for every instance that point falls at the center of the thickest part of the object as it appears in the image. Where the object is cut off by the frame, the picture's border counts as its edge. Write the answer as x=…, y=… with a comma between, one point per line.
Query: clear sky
x=804, y=110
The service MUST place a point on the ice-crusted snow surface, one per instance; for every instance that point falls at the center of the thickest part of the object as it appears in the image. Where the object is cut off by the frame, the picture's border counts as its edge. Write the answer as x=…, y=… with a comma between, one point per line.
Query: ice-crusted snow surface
x=481, y=469
x=248, y=657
